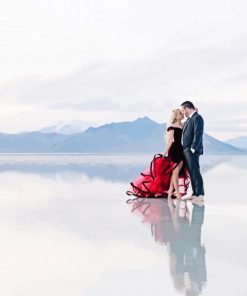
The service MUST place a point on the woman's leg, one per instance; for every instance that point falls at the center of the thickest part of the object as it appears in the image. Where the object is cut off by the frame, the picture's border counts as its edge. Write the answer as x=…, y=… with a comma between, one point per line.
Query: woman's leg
x=174, y=178
x=171, y=188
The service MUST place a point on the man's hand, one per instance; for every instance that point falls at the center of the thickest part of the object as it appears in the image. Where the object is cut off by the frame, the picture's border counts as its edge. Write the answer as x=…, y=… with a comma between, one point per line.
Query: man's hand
x=192, y=150
x=198, y=132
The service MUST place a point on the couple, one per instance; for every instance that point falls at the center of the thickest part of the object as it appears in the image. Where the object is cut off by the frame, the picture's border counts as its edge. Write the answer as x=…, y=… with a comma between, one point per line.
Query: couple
x=169, y=173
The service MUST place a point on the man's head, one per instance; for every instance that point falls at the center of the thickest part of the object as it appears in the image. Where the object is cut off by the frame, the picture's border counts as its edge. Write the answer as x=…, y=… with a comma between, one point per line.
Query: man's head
x=187, y=108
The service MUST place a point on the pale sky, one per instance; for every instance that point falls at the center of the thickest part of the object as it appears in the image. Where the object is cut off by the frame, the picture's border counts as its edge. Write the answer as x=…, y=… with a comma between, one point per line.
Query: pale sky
x=103, y=61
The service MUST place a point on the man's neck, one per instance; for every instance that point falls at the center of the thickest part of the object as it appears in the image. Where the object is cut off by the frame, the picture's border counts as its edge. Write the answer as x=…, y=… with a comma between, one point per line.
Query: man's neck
x=190, y=115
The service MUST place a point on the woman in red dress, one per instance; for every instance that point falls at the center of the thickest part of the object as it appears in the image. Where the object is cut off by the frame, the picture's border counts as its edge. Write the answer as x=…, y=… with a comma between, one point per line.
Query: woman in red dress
x=167, y=175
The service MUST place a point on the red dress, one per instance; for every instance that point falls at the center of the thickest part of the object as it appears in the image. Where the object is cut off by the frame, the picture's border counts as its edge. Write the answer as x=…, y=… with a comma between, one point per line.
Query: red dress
x=154, y=181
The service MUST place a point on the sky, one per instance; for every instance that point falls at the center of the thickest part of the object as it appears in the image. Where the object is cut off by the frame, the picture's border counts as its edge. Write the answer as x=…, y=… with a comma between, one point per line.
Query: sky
x=110, y=61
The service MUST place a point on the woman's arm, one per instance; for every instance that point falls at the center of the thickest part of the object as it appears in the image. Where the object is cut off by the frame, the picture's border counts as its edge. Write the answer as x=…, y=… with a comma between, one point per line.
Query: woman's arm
x=169, y=140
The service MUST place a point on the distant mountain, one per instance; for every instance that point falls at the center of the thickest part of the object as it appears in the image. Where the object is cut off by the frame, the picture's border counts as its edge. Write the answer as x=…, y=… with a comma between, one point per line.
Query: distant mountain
x=142, y=135
x=29, y=142
x=76, y=126
x=239, y=142
x=214, y=146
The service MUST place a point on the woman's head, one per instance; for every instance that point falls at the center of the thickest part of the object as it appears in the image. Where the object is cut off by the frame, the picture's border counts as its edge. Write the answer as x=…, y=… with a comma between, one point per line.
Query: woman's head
x=176, y=116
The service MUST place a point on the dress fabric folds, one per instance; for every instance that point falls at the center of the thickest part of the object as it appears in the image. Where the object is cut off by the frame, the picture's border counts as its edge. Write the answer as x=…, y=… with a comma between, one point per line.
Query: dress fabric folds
x=154, y=181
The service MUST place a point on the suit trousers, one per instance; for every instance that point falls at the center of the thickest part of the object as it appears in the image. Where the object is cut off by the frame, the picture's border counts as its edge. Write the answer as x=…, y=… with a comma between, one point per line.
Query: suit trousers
x=192, y=164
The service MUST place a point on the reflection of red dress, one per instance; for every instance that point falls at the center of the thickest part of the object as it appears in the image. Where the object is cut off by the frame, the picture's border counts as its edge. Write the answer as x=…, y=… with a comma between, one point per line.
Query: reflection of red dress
x=154, y=181
x=156, y=213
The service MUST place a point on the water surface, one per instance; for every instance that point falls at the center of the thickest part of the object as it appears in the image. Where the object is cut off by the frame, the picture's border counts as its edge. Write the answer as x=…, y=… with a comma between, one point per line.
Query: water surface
x=66, y=229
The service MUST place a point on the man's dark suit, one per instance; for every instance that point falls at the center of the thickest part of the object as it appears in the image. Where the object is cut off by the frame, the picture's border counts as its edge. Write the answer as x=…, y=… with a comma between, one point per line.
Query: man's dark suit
x=193, y=138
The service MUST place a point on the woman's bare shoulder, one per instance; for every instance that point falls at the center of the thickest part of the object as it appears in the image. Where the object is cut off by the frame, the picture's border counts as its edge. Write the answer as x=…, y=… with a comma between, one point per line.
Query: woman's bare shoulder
x=170, y=128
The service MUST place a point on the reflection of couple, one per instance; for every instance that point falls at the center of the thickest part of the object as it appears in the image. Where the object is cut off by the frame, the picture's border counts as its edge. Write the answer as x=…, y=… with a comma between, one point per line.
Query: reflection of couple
x=173, y=225
x=169, y=173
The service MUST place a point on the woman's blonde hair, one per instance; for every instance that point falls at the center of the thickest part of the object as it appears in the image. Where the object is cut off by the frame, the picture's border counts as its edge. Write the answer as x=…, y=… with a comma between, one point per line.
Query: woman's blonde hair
x=173, y=118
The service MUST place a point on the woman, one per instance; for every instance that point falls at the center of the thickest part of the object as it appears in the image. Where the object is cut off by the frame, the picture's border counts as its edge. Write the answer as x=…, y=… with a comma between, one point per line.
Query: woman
x=174, y=149
x=167, y=171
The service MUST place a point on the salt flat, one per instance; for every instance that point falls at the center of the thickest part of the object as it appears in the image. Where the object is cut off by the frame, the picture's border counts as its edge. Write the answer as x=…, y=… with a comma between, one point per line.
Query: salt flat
x=66, y=229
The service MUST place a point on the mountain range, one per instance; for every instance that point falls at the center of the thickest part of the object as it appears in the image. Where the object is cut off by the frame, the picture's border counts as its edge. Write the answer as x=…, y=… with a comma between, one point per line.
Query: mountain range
x=76, y=126
x=240, y=142
x=142, y=135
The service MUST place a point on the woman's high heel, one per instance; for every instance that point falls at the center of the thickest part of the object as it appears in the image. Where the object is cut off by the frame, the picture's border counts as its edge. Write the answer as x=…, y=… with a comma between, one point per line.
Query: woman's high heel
x=170, y=194
x=177, y=194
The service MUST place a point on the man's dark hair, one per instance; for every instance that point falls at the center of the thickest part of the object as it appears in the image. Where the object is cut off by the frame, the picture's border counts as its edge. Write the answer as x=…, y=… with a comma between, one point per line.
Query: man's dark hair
x=188, y=104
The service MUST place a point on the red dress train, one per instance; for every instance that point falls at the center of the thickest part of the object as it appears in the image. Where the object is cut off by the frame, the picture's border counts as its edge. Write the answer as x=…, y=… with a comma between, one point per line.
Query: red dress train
x=154, y=181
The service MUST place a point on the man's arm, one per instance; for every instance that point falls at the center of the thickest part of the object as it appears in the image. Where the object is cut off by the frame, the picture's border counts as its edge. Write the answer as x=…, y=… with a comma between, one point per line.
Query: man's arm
x=198, y=132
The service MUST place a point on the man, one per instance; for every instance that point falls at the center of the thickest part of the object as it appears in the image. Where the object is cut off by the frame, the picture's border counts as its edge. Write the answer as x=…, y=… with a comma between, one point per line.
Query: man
x=192, y=140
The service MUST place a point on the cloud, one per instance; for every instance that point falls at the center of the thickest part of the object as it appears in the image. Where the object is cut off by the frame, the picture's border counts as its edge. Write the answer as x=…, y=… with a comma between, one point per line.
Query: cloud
x=98, y=104
x=200, y=72
x=122, y=60
x=178, y=73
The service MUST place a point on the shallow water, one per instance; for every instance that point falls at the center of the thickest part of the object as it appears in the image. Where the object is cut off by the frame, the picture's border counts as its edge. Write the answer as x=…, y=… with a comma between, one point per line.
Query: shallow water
x=66, y=229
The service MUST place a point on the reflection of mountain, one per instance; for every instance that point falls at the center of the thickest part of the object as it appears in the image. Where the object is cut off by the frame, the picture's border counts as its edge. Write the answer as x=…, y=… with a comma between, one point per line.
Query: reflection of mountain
x=138, y=136
x=122, y=169
x=172, y=226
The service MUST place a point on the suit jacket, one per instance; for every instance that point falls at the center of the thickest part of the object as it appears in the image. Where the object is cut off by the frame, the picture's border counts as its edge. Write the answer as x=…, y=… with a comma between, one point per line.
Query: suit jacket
x=193, y=133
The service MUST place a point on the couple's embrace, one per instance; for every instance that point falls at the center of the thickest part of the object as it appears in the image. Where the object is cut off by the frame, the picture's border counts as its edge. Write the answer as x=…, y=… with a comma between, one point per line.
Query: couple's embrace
x=171, y=172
